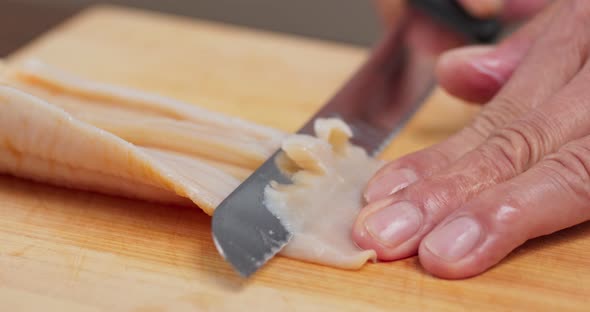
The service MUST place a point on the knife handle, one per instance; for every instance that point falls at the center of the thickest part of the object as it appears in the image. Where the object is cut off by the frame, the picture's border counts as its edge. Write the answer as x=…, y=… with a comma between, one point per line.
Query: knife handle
x=452, y=14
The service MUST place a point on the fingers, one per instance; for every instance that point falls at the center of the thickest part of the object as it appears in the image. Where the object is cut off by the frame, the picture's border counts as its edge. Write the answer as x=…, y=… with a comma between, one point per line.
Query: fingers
x=512, y=103
x=553, y=195
x=395, y=226
x=543, y=65
x=474, y=81
x=398, y=174
x=477, y=202
x=476, y=74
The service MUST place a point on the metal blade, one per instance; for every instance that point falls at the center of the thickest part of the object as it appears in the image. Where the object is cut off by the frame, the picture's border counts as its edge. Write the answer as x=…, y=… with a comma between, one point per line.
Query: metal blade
x=376, y=103
x=245, y=233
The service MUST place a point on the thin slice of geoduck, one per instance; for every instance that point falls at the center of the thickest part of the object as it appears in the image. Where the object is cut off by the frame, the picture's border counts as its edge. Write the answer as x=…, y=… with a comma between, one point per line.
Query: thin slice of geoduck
x=38, y=73
x=219, y=139
x=42, y=142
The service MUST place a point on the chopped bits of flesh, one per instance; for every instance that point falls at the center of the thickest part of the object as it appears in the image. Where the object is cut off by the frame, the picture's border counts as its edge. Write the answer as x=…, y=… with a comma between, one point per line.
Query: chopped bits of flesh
x=320, y=206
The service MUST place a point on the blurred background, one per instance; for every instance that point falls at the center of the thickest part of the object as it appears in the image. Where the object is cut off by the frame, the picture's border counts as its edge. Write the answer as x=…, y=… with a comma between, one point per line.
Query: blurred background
x=349, y=21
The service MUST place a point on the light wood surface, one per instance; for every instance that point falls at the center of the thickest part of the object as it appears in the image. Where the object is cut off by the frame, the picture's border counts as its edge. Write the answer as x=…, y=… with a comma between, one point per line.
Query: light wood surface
x=64, y=250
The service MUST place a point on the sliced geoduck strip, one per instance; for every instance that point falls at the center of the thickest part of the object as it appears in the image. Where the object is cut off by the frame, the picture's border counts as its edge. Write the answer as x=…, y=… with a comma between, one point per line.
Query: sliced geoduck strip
x=37, y=72
x=150, y=120
x=42, y=142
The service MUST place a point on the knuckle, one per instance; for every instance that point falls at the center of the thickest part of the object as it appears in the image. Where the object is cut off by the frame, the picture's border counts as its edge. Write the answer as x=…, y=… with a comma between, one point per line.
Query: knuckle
x=499, y=155
x=482, y=125
x=446, y=191
x=517, y=146
x=508, y=215
x=438, y=195
x=571, y=168
x=502, y=111
x=434, y=204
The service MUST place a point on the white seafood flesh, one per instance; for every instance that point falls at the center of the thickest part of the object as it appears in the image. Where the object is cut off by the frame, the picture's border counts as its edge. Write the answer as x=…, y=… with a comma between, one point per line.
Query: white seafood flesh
x=42, y=142
x=320, y=207
x=63, y=130
x=150, y=120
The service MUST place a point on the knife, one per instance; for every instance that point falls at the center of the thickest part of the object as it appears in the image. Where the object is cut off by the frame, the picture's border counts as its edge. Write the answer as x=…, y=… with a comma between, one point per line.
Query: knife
x=376, y=102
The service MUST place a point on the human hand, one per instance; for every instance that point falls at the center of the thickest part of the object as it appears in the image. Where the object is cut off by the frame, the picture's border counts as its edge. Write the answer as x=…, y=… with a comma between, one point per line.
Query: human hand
x=507, y=10
x=437, y=38
x=520, y=170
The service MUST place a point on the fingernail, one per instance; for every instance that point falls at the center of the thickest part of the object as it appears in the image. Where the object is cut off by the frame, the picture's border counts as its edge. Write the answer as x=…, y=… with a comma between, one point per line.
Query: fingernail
x=390, y=183
x=489, y=66
x=455, y=239
x=394, y=224
x=479, y=58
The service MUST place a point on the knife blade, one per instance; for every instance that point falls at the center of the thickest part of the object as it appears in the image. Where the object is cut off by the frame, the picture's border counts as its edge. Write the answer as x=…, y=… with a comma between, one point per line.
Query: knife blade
x=376, y=103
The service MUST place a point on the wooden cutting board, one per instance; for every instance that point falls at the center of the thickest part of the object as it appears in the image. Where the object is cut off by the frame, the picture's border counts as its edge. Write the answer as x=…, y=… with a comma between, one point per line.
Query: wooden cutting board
x=64, y=250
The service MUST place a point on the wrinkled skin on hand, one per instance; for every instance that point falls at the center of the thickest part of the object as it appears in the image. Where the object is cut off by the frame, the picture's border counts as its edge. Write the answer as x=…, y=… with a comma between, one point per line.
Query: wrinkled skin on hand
x=520, y=170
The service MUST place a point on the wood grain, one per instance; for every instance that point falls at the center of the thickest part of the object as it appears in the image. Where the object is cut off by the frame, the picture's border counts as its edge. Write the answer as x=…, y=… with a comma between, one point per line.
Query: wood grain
x=64, y=250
